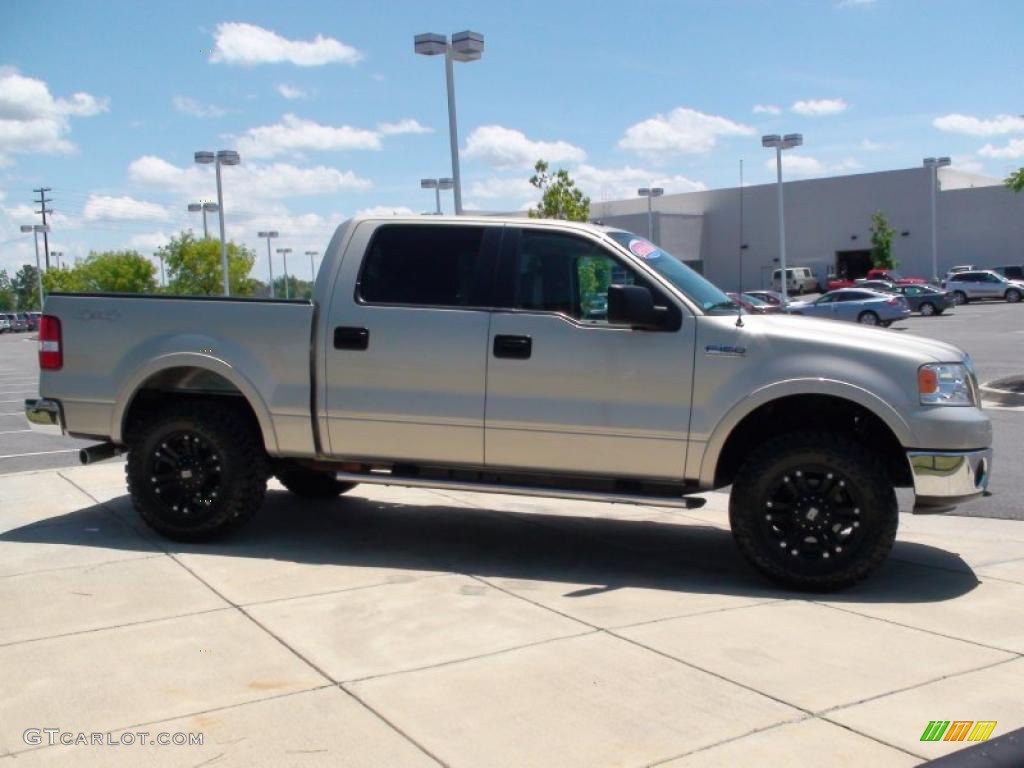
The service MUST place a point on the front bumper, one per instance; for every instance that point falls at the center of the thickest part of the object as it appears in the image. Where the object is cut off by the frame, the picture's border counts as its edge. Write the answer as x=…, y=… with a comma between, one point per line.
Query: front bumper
x=44, y=416
x=943, y=479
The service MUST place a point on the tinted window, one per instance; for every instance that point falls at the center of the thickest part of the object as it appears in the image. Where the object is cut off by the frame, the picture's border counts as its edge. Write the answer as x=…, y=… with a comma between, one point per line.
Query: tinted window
x=423, y=264
x=857, y=296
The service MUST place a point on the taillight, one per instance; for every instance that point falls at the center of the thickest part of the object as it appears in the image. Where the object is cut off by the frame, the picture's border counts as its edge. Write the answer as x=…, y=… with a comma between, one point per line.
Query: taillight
x=51, y=356
x=894, y=301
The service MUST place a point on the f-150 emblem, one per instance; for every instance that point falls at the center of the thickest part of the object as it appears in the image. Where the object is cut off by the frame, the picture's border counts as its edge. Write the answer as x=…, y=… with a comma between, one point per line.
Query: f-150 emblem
x=724, y=349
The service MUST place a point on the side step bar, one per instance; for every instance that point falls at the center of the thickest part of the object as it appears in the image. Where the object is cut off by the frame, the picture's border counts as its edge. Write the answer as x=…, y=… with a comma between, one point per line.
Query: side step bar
x=384, y=478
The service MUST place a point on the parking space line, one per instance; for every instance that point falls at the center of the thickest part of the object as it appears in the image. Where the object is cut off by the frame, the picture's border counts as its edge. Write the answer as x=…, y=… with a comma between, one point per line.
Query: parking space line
x=14, y=431
x=38, y=453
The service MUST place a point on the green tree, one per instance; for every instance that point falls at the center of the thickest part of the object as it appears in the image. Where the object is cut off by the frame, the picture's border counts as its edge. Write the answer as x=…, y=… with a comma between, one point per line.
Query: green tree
x=881, y=242
x=297, y=289
x=7, y=295
x=1015, y=180
x=26, y=288
x=64, y=280
x=560, y=197
x=193, y=267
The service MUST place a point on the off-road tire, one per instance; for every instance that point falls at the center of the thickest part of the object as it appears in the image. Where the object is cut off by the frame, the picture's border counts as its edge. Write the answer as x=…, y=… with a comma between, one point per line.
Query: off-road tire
x=233, y=458
x=311, y=483
x=756, y=530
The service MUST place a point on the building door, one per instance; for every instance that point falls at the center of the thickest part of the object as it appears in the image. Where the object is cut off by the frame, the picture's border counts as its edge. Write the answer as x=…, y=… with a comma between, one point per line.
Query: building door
x=852, y=265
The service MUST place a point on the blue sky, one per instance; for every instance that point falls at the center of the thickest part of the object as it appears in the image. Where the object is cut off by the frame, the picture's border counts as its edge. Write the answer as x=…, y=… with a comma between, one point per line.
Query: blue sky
x=334, y=114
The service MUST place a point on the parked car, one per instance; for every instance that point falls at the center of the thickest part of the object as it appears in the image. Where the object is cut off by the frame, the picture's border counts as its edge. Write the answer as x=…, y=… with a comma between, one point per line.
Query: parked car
x=926, y=299
x=769, y=297
x=856, y=305
x=874, y=275
x=884, y=286
x=26, y=320
x=5, y=324
x=1010, y=271
x=955, y=270
x=983, y=284
x=754, y=305
x=456, y=354
x=18, y=324
x=33, y=320
x=798, y=280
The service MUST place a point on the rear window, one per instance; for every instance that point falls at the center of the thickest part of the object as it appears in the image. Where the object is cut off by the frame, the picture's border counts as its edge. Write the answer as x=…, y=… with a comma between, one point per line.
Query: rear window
x=427, y=265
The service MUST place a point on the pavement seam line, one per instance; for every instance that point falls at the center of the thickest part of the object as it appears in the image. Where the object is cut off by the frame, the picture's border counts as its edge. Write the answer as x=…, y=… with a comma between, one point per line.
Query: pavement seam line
x=91, y=565
x=394, y=726
x=851, y=729
x=187, y=714
x=766, y=602
x=342, y=590
x=252, y=619
x=918, y=629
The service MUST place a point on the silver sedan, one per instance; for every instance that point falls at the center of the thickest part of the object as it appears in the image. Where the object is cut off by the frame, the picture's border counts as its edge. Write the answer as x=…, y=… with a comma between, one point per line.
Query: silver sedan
x=857, y=305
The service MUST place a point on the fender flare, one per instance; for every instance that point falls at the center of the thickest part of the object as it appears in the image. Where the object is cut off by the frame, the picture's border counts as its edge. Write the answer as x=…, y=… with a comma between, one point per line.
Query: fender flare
x=889, y=415
x=126, y=393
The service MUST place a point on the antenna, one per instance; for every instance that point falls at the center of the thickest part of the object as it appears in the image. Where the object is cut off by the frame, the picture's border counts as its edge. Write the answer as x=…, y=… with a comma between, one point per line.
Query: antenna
x=739, y=287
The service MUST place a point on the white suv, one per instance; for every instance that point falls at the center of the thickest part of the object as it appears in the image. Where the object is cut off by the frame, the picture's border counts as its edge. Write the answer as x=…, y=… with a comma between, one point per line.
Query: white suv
x=798, y=280
x=983, y=284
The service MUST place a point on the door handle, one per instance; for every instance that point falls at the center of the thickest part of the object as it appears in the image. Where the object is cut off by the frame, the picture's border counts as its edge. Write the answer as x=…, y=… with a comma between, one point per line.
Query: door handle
x=347, y=337
x=514, y=347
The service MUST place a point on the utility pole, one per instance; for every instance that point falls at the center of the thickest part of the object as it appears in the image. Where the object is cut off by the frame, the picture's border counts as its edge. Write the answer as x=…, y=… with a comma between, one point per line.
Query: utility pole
x=43, y=200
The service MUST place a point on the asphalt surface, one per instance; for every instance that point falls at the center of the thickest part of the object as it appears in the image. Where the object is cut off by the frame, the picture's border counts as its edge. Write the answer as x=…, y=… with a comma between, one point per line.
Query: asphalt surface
x=992, y=333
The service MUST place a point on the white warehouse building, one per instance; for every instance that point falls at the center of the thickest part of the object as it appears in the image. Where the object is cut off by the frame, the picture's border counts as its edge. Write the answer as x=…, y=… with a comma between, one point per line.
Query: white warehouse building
x=828, y=224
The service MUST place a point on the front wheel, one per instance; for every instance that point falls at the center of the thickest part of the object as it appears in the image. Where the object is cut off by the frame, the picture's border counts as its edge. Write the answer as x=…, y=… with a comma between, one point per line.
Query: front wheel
x=196, y=470
x=1013, y=295
x=868, y=318
x=813, y=511
x=959, y=297
x=927, y=309
x=311, y=483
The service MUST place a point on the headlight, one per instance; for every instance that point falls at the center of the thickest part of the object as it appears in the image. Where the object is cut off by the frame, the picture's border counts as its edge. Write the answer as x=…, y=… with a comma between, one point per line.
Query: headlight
x=945, y=384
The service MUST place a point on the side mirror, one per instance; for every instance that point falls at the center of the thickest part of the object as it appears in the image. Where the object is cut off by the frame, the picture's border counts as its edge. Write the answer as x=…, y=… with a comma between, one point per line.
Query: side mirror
x=633, y=305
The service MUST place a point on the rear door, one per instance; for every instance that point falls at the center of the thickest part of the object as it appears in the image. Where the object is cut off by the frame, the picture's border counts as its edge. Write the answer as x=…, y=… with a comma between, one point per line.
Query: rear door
x=406, y=350
x=567, y=392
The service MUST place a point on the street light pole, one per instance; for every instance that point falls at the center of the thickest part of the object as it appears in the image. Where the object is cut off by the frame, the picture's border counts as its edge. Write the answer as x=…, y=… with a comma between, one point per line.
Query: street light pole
x=57, y=256
x=312, y=268
x=437, y=185
x=284, y=254
x=269, y=234
x=650, y=193
x=163, y=278
x=464, y=46
x=35, y=229
x=933, y=164
x=223, y=157
x=779, y=143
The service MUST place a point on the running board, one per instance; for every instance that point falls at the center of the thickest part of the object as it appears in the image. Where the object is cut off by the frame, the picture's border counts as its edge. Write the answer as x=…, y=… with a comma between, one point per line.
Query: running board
x=384, y=478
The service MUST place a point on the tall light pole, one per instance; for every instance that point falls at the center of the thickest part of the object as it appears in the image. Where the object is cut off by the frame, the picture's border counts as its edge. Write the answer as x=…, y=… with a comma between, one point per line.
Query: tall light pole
x=312, y=269
x=57, y=256
x=465, y=46
x=223, y=157
x=932, y=165
x=35, y=229
x=779, y=143
x=284, y=254
x=205, y=208
x=270, y=234
x=163, y=278
x=437, y=185
x=650, y=193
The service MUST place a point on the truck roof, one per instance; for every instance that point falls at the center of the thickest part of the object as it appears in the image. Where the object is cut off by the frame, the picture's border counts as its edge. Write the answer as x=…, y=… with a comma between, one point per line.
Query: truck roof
x=481, y=219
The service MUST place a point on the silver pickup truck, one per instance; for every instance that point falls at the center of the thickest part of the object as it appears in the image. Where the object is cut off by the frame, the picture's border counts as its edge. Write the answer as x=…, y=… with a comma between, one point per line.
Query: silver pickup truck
x=517, y=356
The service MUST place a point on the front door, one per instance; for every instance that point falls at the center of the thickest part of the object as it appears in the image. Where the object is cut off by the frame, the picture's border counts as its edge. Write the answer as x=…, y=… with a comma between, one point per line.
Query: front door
x=566, y=391
x=405, y=353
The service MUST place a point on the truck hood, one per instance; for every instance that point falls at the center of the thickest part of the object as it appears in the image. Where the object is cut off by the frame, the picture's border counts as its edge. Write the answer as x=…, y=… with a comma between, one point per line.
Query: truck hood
x=815, y=331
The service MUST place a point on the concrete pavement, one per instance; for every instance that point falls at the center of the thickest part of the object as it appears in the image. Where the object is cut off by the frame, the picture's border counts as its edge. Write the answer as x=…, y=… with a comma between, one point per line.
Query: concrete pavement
x=398, y=627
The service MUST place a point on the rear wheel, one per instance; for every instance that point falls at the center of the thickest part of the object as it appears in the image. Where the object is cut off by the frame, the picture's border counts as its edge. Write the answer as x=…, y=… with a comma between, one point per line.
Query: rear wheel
x=311, y=483
x=868, y=318
x=959, y=297
x=196, y=470
x=1013, y=295
x=927, y=309
x=813, y=511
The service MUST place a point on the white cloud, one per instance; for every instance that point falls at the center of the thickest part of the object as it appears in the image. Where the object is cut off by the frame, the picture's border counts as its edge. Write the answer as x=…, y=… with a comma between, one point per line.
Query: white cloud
x=248, y=44
x=967, y=164
x=291, y=92
x=620, y=183
x=1013, y=150
x=408, y=125
x=869, y=146
x=819, y=107
x=247, y=181
x=683, y=130
x=977, y=126
x=386, y=210
x=508, y=148
x=805, y=165
x=32, y=121
x=189, y=106
x=854, y=3
x=126, y=208
x=495, y=188
x=767, y=109
x=296, y=134
x=149, y=241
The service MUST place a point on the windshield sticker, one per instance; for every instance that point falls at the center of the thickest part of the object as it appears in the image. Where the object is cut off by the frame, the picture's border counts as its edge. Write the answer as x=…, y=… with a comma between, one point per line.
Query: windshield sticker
x=642, y=248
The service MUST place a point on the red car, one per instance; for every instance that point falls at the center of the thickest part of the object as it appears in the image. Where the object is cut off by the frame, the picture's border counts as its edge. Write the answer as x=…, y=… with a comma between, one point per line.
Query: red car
x=875, y=274
x=753, y=304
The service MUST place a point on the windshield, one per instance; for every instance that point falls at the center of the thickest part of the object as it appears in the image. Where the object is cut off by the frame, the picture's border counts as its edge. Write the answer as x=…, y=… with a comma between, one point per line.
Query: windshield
x=698, y=289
